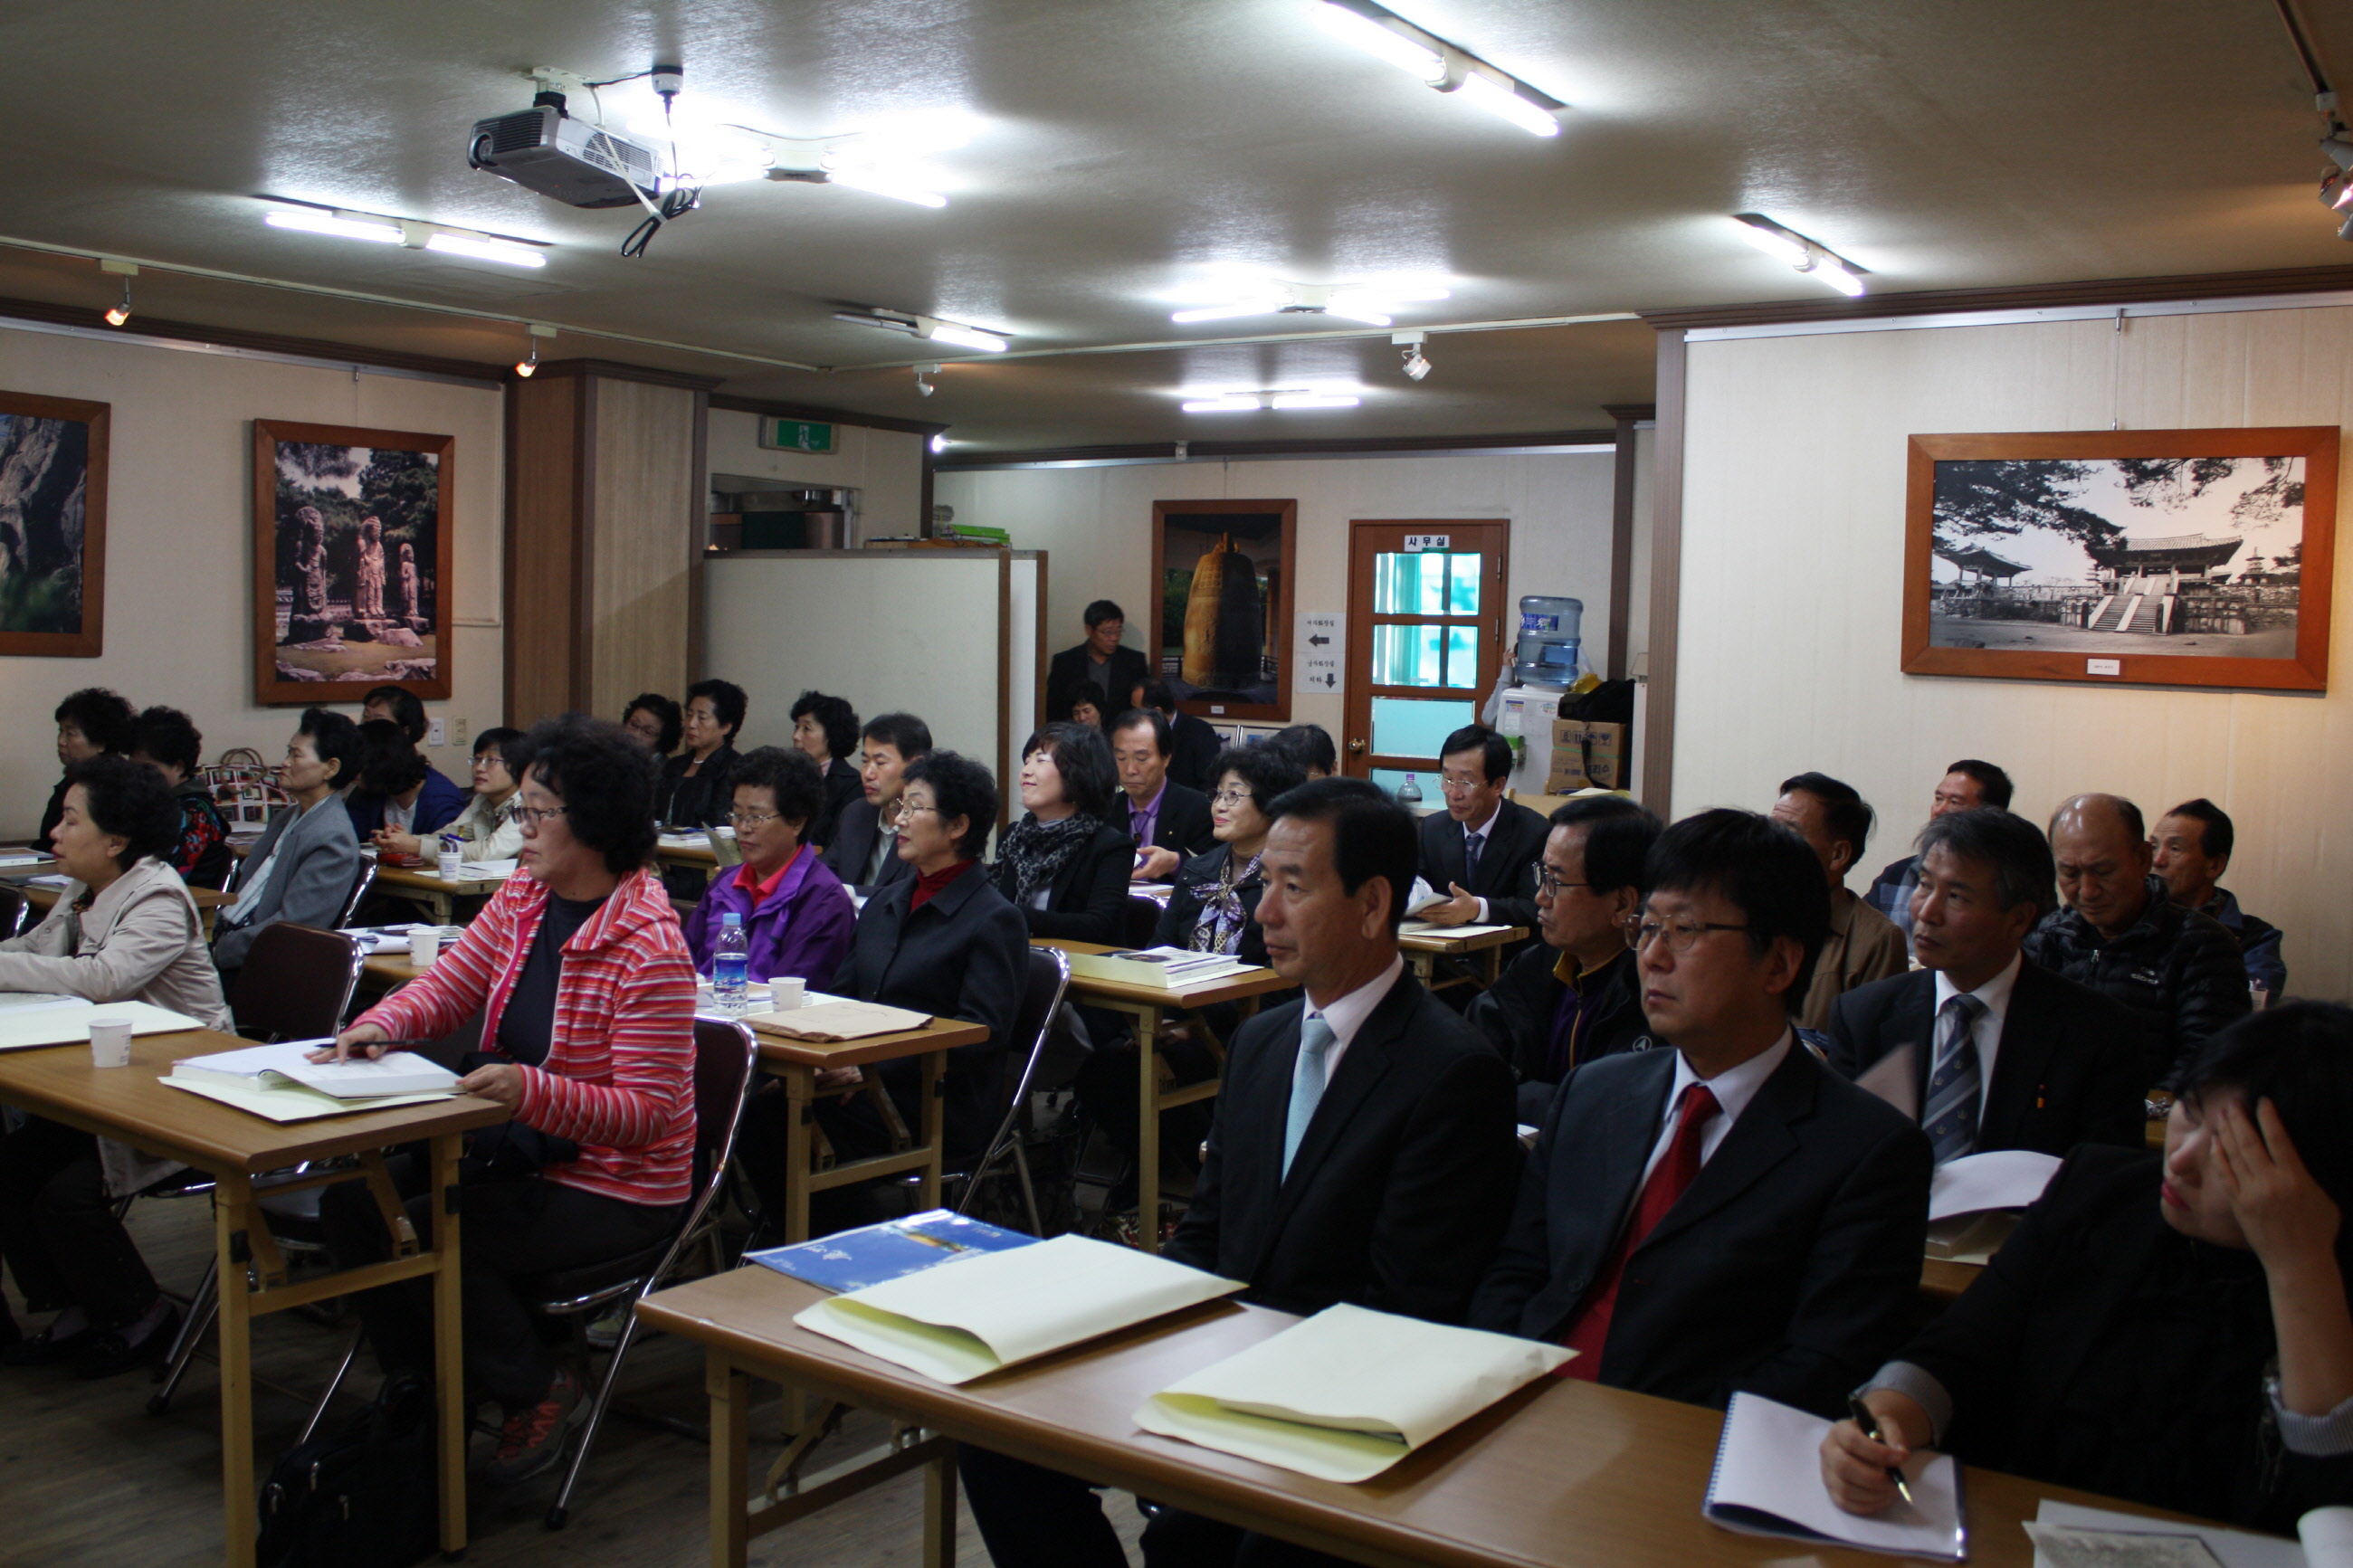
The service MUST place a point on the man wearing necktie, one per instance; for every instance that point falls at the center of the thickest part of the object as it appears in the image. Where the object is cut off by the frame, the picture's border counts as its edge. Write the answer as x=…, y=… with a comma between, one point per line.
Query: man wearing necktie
x=1722, y=1212
x=1363, y=1151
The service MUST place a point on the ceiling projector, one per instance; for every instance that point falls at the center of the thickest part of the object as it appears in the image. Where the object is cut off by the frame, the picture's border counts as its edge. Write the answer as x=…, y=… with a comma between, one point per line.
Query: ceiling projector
x=546, y=150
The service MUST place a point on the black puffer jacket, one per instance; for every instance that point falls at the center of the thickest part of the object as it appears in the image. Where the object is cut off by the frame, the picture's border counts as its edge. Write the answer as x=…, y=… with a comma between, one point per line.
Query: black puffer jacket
x=2176, y=970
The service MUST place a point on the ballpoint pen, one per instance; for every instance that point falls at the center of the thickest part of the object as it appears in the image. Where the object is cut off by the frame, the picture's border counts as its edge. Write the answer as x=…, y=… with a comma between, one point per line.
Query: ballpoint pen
x=1870, y=1425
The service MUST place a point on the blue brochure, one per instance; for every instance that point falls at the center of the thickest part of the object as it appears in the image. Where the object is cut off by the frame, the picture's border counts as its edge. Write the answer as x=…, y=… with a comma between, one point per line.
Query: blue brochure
x=853, y=1259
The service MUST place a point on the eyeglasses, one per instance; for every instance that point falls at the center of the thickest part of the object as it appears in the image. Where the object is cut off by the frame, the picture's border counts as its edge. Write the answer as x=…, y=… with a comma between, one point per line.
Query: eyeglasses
x=1230, y=797
x=532, y=816
x=1681, y=935
x=752, y=818
x=906, y=810
x=1550, y=885
x=1453, y=786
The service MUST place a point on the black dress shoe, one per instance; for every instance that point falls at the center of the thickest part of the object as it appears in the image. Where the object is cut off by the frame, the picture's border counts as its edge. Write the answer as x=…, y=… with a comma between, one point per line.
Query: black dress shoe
x=45, y=1350
x=105, y=1354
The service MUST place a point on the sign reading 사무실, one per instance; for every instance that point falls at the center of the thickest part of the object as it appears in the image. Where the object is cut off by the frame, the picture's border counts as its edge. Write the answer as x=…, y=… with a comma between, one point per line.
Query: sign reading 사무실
x=796, y=435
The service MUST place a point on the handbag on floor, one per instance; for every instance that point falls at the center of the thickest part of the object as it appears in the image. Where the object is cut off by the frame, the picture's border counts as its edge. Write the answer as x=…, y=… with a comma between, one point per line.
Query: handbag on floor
x=366, y=1495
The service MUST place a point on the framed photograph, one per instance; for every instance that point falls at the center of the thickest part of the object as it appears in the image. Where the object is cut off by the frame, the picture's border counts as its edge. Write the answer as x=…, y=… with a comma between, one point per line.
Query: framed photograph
x=1221, y=636
x=2153, y=557
x=52, y=526
x=351, y=562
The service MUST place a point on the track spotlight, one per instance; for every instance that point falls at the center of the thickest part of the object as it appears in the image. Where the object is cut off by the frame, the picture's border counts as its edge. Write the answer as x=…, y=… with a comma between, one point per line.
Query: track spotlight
x=126, y=271
x=1408, y=345
x=1810, y=256
x=530, y=362
x=2337, y=185
x=924, y=374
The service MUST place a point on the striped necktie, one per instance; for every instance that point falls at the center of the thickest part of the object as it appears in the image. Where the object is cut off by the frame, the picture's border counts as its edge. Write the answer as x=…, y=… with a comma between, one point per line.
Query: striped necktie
x=1954, y=1089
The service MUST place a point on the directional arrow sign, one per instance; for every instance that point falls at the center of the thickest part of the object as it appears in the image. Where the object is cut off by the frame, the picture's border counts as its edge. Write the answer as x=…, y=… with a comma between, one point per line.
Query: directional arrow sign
x=1319, y=642
x=1316, y=639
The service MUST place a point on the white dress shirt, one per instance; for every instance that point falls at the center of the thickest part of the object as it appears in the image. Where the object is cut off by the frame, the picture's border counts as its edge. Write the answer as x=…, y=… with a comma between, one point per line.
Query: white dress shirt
x=1987, y=1031
x=1347, y=1015
x=1733, y=1088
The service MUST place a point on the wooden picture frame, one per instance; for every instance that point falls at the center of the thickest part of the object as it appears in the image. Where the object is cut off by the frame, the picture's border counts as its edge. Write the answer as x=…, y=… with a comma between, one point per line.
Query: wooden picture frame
x=340, y=608
x=2191, y=558
x=53, y=469
x=1185, y=533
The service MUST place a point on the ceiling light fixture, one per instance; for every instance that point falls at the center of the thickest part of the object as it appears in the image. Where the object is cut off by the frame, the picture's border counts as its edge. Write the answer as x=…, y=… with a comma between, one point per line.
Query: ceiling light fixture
x=939, y=443
x=1289, y=397
x=530, y=363
x=1435, y=63
x=930, y=328
x=1416, y=364
x=415, y=234
x=126, y=271
x=1372, y=302
x=924, y=374
x=1810, y=256
x=504, y=251
x=342, y=226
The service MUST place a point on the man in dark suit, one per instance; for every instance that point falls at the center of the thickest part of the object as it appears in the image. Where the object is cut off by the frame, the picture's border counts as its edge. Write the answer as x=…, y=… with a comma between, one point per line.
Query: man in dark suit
x=1363, y=1149
x=1193, y=744
x=1099, y=662
x=1997, y=1051
x=864, y=851
x=1726, y=1212
x=1482, y=850
x=1169, y=822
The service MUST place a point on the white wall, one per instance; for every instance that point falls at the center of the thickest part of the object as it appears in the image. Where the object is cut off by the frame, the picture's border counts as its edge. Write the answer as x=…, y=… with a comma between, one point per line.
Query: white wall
x=179, y=549
x=886, y=467
x=1096, y=524
x=1790, y=607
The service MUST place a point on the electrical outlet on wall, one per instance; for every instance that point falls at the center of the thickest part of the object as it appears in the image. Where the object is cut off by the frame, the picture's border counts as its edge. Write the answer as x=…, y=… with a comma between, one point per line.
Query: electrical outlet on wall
x=432, y=735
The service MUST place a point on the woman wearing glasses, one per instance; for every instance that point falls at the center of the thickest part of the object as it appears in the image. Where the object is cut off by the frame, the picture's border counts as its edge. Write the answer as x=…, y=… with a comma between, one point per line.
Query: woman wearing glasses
x=797, y=918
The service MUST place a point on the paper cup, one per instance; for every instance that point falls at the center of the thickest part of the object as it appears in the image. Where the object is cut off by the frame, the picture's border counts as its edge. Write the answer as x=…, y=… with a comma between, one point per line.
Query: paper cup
x=447, y=863
x=785, y=993
x=110, y=1042
x=424, y=946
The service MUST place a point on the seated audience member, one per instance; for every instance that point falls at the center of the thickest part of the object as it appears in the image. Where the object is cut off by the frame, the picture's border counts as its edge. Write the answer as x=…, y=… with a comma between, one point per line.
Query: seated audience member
x=1210, y=909
x=2192, y=847
x=1100, y=662
x=797, y=915
x=1311, y=747
x=1193, y=744
x=1729, y=1213
x=1362, y=1151
x=401, y=795
x=165, y=739
x=824, y=730
x=1063, y=865
x=694, y=789
x=397, y=705
x=1863, y=945
x=941, y=941
x=587, y=1007
x=491, y=826
x=122, y=930
x=1168, y=823
x=1966, y=785
x=865, y=849
x=2175, y=970
x=1574, y=996
x=1482, y=851
x=303, y=867
x=2003, y=1053
x=1074, y=701
x=89, y=722
x=655, y=719
x=2169, y=1329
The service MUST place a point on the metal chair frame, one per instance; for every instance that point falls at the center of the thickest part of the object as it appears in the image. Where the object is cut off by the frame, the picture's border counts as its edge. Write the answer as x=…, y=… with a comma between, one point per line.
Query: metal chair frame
x=16, y=911
x=359, y=887
x=1007, y=1142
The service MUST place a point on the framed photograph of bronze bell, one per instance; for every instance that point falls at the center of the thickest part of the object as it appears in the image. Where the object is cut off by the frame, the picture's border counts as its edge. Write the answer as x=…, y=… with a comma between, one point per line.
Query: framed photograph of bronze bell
x=1222, y=630
x=351, y=560
x=2147, y=557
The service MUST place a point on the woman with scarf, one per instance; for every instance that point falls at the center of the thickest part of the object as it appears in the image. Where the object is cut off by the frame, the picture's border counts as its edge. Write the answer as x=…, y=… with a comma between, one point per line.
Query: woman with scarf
x=1063, y=865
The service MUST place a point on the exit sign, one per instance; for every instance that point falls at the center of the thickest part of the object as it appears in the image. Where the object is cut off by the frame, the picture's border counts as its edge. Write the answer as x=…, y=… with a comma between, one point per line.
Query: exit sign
x=796, y=435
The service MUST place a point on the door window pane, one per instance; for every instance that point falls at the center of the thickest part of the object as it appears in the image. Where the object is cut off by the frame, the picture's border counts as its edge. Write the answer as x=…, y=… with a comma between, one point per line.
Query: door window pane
x=1409, y=656
x=1410, y=585
x=1416, y=727
x=1424, y=779
x=1462, y=659
x=1463, y=584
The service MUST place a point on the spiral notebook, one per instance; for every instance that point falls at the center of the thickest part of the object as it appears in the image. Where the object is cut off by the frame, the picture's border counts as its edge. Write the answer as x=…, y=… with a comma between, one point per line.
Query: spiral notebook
x=1768, y=1481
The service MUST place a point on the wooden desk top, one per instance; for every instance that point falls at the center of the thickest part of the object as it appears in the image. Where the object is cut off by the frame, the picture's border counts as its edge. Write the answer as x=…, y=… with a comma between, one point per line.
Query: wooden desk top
x=1944, y=1279
x=430, y=882
x=44, y=898
x=1443, y=942
x=1233, y=988
x=939, y=1035
x=131, y=1104
x=1562, y=1473
x=686, y=854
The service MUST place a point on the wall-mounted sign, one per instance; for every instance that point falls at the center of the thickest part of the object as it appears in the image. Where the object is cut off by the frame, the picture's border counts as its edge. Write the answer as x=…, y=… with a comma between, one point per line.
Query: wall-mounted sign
x=1418, y=541
x=796, y=435
x=1319, y=639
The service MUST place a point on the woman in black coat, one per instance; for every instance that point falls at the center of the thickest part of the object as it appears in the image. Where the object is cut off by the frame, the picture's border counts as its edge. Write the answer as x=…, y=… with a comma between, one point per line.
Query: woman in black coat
x=1063, y=865
x=2170, y=1331
x=697, y=788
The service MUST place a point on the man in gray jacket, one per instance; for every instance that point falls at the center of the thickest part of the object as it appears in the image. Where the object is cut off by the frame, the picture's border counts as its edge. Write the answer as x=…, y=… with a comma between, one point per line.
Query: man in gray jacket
x=308, y=858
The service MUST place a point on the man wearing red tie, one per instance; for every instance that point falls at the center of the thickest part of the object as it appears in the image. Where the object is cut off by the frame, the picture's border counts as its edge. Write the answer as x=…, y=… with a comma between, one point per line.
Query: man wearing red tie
x=1727, y=1214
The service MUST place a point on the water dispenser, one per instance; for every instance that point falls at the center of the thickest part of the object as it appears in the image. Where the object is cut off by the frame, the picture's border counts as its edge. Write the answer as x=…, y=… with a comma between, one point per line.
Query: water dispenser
x=1548, y=652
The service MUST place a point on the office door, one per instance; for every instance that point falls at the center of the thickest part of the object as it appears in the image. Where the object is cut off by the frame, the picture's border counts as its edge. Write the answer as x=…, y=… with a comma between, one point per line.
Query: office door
x=1425, y=638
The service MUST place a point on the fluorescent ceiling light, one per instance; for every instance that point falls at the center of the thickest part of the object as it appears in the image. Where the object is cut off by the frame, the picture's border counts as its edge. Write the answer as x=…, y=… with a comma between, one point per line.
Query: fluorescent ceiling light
x=1416, y=60
x=929, y=326
x=1363, y=313
x=1370, y=301
x=1810, y=256
x=1832, y=271
x=1223, y=405
x=1313, y=400
x=501, y=250
x=1261, y=307
x=968, y=338
x=310, y=220
x=1771, y=239
x=898, y=186
x=1505, y=104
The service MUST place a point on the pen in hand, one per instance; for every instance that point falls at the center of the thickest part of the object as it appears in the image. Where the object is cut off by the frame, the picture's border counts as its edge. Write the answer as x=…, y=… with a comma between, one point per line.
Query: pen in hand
x=1870, y=1425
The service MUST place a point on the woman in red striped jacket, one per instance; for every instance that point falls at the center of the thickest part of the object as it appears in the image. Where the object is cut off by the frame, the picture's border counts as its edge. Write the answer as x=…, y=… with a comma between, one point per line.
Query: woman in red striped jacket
x=587, y=997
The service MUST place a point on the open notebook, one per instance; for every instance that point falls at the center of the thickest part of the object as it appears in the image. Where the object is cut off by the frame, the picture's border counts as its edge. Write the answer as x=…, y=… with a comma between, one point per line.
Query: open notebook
x=1768, y=1481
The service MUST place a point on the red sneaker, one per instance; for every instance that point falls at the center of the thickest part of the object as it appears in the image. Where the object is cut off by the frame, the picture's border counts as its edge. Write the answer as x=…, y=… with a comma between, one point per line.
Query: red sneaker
x=532, y=1440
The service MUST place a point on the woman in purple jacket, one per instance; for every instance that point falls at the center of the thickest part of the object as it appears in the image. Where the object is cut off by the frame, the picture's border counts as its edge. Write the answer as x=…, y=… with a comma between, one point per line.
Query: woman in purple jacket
x=796, y=914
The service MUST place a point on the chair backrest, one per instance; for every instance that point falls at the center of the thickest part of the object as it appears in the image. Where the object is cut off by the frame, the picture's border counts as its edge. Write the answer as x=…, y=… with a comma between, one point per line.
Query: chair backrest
x=360, y=886
x=1042, y=989
x=1142, y=922
x=13, y=912
x=724, y=1052
x=295, y=982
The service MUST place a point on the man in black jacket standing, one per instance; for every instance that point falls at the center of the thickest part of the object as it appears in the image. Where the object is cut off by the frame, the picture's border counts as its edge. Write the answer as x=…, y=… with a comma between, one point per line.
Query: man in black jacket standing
x=1363, y=1149
x=1099, y=663
x=1574, y=996
x=2176, y=970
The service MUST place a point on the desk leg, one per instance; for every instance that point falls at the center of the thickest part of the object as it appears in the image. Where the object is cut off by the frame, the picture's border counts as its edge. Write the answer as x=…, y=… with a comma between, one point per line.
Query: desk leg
x=233, y=1211
x=934, y=1130
x=940, y=1510
x=731, y=1432
x=1147, y=1129
x=800, y=1094
x=449, y=1346
x=1423, y=965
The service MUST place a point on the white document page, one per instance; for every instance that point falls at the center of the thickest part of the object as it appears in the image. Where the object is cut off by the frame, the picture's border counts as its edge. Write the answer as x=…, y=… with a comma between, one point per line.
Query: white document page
x=68, y=1023
x=2235, y=1548
x=2005, y=1179
x=395, y=1072
x=1768, y=1481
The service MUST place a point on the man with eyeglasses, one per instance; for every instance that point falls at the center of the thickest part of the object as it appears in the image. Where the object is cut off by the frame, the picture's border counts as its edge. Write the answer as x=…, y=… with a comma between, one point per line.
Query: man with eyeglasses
x=1725, y=1212
x=1482, y=849
x=1572, y=997
x=1169, y=822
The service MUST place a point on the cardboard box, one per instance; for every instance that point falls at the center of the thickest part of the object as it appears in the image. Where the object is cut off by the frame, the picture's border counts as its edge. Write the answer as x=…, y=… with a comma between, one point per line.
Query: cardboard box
x=1585, y=756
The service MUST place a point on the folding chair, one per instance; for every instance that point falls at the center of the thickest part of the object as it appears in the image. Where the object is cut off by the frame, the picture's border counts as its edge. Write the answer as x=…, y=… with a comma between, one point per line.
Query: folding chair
x=1041, y=999
x=359, y=887
x=13, y=912
x=1142, y=922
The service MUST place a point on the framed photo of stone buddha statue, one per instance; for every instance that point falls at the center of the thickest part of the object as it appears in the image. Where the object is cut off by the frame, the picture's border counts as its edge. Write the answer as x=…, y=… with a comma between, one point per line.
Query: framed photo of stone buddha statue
x=2140, y=557
x=52, y=526
x=351, y=562
x=1220, y=623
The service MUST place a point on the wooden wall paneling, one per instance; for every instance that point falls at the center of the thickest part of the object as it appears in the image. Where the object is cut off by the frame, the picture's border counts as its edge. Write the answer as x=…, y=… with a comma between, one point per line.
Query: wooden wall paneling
x=638, y=597
x=545, y=506
x=698, y=533
x=1657, y=740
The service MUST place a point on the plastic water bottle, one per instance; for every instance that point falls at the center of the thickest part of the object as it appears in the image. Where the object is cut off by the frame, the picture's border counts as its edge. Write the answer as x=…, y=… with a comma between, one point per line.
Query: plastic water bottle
x=729, y=964
x=1408, y=792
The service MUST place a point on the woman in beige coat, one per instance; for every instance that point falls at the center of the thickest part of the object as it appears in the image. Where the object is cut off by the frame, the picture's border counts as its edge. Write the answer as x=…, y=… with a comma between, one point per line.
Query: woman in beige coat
x=123, y=929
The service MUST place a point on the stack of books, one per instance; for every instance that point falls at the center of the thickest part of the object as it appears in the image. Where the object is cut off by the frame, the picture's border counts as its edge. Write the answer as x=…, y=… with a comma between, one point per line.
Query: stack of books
x=1163, y=968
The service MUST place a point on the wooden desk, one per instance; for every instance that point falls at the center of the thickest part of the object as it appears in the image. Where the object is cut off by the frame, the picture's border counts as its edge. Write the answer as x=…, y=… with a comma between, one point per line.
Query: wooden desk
x=1563, y=1474
x=1422, y=951
x=428, y=888
x=688, y=858
x=1942, y=1281
x=210, y=901
x=1148, y=1005
x=232, y=1147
